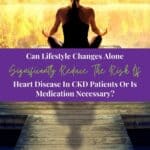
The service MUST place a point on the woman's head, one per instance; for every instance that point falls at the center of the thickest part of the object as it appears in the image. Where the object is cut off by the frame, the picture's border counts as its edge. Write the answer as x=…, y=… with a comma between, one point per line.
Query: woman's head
x=75, y=2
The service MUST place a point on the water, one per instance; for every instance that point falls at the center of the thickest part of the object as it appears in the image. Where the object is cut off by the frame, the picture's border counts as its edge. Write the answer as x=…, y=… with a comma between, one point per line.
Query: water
x=6, y=148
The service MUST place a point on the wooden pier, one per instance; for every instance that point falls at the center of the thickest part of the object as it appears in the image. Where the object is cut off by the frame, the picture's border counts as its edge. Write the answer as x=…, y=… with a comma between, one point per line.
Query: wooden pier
x=75, y=126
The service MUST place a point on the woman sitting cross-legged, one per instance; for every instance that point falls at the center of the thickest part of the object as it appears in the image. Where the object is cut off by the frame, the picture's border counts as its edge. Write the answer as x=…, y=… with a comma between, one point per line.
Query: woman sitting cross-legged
x=75, y=20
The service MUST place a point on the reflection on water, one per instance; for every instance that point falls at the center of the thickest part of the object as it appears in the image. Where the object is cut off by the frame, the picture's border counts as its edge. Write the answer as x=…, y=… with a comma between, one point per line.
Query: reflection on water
x=75, y=116
x=6, y=148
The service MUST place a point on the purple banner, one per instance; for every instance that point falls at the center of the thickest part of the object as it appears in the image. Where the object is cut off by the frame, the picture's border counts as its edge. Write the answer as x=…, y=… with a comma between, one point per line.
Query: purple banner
x=75, y=75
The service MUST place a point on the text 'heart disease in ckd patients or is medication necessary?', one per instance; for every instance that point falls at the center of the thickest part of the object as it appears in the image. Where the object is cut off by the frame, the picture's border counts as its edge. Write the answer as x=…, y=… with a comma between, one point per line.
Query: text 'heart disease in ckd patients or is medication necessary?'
x=74, y=75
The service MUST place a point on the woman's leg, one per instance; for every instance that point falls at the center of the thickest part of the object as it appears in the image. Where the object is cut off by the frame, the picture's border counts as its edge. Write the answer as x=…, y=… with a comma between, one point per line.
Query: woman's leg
x=96, y=41
x=54, y=43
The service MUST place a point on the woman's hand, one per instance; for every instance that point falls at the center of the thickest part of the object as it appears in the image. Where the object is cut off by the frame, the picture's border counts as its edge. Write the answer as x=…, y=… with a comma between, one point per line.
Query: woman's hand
x=45, y=33
x=104, y=33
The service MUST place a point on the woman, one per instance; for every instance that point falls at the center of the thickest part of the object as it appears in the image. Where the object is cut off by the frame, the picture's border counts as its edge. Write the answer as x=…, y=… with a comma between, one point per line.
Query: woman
x=75, y=20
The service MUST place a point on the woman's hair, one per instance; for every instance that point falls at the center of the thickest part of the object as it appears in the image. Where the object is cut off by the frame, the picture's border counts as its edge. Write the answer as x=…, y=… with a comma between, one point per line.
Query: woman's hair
x=73, y=13
x=74, y=4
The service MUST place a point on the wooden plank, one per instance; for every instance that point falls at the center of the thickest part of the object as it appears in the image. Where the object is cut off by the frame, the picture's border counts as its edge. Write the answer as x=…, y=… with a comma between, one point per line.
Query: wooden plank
x=74, y=141
x=75, y=112
x=95, y=106
x=86, y=128
x=78, y=147
x=77, y=117
x=72, y=103
x=64, y=134
x=71, y=121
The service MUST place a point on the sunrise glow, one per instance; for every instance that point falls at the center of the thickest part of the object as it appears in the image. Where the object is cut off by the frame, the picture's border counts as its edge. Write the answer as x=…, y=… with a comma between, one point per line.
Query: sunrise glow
x=21, y=21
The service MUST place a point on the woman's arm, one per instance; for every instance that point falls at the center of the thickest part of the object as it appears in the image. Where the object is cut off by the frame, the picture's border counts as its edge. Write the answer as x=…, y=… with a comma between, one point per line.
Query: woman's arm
x=54, y=29
x=94, y=26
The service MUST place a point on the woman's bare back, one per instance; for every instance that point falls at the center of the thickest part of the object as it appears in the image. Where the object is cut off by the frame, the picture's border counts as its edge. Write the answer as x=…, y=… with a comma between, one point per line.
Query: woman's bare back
x=85, y=14
x=75, y=20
